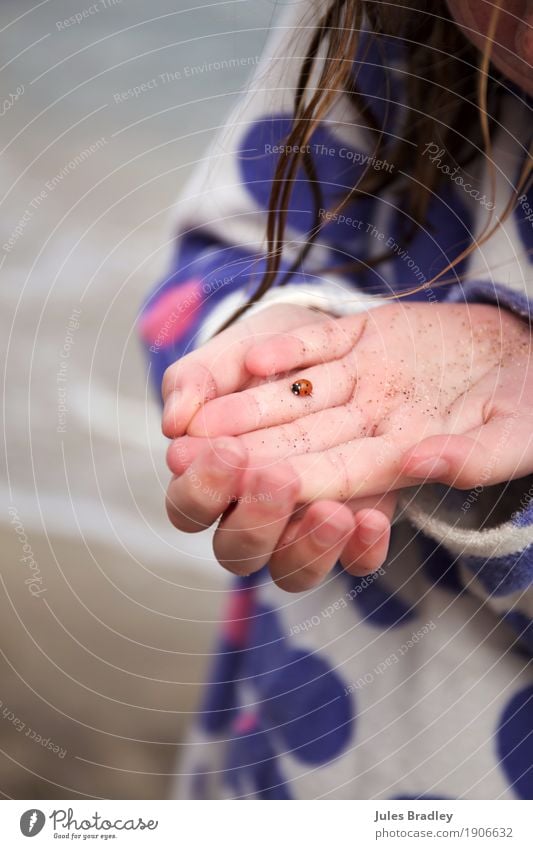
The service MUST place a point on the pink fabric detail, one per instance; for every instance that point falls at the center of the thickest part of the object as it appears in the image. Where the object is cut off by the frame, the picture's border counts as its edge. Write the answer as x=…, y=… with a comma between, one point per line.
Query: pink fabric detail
x=237, y=622
x=245, y=723
x=172, y=314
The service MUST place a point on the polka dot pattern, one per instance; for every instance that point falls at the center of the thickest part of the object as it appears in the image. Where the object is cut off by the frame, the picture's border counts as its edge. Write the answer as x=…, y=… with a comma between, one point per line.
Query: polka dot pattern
x=281, y=704
x=515, y=743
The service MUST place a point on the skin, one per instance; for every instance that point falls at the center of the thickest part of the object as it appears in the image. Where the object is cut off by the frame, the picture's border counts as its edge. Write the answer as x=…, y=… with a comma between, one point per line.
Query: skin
x=402, y=394
x=197, y=496
x=300, y=483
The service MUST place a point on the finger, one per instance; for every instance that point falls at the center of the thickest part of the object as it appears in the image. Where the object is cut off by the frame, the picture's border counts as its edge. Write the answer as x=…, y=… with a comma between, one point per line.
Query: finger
x=274, y=403
x=368, y=466
x=368, y=546
x=245, y=539
x=184, y=451
x=315, y=432
x=310, y=547
x=323, y=341
x=218, y=366
x=355, y=469
x=203, y=492
x=191, y=389
x=498, y=451
x=223, y=347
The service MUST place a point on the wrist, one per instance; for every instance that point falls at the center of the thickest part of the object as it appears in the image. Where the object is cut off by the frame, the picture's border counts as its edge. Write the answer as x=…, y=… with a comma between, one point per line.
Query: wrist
x=514, y=299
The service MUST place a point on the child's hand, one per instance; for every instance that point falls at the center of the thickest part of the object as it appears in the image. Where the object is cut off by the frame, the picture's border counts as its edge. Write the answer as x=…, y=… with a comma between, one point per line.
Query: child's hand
x=426, y=392
x=271, y=529
x=218, y=367
x=261, y=523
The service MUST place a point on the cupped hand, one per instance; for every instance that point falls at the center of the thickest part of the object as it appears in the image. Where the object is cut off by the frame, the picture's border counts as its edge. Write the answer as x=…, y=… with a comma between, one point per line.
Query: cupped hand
x=292, y=547
x=401, y=394
x=219, y=367
x=260, y=522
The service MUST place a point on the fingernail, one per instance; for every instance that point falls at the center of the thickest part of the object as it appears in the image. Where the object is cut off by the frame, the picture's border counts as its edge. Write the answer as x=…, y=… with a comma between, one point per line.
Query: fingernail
x=170, y=404
x=428, y=467
x=329, y=532
x=371, y=531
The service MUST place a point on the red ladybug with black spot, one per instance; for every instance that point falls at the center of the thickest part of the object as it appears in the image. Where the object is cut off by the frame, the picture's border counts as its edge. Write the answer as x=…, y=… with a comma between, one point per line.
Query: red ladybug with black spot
x=302, y=387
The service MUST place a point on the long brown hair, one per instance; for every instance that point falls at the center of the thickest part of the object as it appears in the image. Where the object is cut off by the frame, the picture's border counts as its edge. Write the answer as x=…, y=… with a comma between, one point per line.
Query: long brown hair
x=452, y=96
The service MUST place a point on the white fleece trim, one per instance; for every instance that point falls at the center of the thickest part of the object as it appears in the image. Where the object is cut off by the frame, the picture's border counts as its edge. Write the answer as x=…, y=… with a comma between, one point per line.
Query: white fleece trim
x=335, y=298
x=491, y=542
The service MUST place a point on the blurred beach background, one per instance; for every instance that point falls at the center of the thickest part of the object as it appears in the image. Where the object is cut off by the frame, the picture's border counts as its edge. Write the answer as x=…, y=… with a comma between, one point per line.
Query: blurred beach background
x=107, y=614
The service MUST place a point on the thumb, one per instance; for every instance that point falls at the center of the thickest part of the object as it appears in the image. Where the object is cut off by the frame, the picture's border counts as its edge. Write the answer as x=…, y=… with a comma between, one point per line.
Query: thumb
x=498, y=451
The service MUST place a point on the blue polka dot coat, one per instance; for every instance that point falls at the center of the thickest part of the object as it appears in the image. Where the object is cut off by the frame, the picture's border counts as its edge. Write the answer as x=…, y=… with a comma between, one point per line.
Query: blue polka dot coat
x=414, y=682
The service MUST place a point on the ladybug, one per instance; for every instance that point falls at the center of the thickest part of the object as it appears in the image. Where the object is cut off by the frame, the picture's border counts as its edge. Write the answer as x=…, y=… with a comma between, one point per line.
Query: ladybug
x=302, y=387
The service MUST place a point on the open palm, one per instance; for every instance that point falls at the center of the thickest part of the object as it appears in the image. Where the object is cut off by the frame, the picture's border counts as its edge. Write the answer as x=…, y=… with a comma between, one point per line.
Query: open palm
x=401, y=394
x=454, y=381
